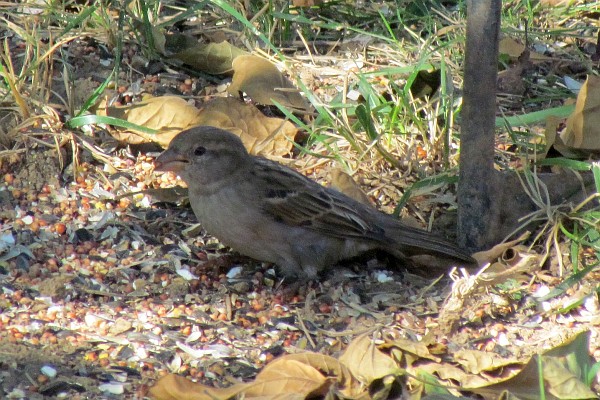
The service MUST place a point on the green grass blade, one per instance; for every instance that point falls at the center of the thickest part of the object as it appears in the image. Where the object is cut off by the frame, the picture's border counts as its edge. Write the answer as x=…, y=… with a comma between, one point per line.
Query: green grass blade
x=567, y=163
x=80, y=121
x=78, y=19
x=535, y=117
x=225, y=6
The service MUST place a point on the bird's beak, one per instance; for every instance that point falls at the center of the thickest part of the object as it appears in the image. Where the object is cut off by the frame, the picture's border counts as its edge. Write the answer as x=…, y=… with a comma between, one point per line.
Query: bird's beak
x=170, y=160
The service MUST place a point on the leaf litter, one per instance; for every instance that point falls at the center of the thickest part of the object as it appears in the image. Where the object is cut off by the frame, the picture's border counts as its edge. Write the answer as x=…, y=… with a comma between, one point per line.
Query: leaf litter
x=104, y=292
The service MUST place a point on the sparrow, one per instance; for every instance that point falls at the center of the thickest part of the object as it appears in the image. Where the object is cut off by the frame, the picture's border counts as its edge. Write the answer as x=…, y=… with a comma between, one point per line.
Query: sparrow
x=272, y=213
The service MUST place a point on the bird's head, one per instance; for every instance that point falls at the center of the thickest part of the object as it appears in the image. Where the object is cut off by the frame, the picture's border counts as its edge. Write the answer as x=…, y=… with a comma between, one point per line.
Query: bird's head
x=203, y=155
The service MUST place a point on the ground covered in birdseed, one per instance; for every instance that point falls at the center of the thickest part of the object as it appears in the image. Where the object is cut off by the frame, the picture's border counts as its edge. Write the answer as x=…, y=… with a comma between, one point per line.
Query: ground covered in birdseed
x=108, y=283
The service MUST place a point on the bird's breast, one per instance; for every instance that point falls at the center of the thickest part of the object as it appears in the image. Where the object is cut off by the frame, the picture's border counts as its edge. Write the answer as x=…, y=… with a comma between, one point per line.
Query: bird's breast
x=221, y=213
x=237, y=221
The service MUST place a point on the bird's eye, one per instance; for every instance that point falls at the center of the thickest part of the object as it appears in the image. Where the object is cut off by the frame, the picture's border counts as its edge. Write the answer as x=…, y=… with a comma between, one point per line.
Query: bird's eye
x=198, y=151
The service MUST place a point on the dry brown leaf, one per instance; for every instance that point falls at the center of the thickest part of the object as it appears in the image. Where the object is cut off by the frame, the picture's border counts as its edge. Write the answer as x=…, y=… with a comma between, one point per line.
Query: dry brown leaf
x=498, y=250
x=263, y=83
x=174, y=387
x=130, y=137
x=330, y=367
x=291, y=380
x=583, y=126
x=366, y=362
x=167, y=114
x=212, y=58
x=514, y=49
x=475, y=361
x=290, y=377
x=562, y=370
x=554, y=140
x=449, y=372
x=411, y=350
x=344, y=183
x=261, y=135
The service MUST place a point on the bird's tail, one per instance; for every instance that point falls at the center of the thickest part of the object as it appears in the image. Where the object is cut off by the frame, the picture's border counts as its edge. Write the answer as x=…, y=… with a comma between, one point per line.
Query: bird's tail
x=409, y=241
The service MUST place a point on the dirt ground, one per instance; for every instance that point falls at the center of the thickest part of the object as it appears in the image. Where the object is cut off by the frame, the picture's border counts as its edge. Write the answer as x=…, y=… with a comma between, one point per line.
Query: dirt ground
x=105, y=289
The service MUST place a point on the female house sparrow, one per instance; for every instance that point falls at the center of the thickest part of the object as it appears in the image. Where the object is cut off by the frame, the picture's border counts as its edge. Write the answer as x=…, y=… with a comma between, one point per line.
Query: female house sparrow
x=272, y=213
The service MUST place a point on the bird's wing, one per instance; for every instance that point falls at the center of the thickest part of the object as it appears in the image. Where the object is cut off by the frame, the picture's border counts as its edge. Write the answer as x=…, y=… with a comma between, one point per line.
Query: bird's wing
x=293, y=199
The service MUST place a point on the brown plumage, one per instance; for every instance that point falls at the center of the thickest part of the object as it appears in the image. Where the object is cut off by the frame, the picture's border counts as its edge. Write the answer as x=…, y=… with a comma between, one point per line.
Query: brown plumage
x=272, y=213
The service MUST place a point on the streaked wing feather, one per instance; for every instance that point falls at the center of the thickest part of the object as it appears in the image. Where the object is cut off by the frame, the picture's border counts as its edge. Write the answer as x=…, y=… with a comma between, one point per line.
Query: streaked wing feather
x=298, y=201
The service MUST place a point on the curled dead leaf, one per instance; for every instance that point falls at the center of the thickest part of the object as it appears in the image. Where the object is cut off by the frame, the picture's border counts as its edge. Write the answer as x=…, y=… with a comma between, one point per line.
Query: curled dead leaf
x=174, y=387
x=168, y=115
x=476, y=361
x=262, y=135
x=514, y=50
x=410, y=349
x=498, y=250
x=344, y=183
x=562, y=372
x=331, y=368
x=297, y=376
x=212, y=58
x=583, y=126
x=263, y=83
x=366, y=362
x=553, y=140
